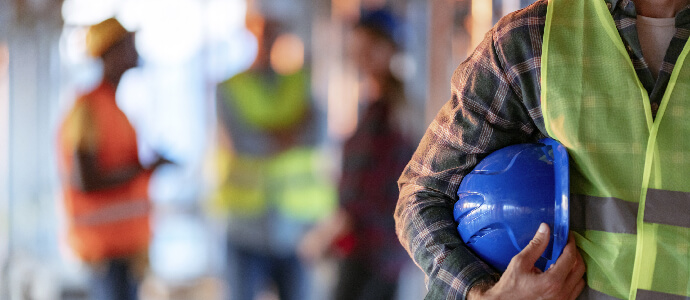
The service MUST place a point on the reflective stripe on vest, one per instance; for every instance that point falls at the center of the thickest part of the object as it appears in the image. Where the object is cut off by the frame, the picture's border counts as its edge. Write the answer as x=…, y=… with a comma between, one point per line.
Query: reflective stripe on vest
x=292, y=182
x=116, y=212
x=629, y=172
x=243, y=186
x=615, y=215
x=591, y=294
x=603, y=214
x=303, y=192
x=652, y=295
x=667, y=207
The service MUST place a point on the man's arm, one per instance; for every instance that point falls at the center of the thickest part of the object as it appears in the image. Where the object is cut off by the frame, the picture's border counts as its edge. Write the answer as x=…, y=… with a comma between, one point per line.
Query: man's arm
x=483, y=115
x=495, y=103
x=87, y=174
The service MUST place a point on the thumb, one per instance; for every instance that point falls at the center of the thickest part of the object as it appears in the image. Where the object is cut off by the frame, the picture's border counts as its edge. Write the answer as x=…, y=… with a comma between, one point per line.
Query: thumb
x=536, y=246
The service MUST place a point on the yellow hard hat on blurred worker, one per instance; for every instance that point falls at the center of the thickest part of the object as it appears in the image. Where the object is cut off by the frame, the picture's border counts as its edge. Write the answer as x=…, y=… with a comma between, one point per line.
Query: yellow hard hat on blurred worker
x=100, y=37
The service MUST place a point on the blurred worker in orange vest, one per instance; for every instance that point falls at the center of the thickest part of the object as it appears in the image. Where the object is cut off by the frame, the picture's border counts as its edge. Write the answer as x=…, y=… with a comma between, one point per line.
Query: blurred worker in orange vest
x=105, y=186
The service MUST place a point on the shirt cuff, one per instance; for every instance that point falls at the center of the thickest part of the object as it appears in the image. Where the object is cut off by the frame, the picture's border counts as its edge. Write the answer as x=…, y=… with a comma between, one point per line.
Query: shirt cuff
x=460, y=271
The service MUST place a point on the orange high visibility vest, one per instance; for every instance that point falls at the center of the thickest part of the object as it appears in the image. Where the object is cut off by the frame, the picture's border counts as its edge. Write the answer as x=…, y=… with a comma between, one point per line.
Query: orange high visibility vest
x=111, y=222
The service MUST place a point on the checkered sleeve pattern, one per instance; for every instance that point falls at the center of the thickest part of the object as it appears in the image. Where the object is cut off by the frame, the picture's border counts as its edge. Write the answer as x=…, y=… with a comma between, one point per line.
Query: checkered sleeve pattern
x=487, y=111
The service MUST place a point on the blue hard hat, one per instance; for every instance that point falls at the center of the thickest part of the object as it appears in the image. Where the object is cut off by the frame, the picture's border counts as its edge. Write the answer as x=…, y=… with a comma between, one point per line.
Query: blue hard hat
x=508, y=195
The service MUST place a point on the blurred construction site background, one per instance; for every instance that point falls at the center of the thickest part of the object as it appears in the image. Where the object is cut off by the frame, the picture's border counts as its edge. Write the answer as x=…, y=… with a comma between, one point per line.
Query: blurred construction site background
x=188, y=49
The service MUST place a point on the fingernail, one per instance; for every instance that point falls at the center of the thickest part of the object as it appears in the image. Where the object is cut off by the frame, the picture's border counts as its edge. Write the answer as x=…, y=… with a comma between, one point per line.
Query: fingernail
x=542, y=228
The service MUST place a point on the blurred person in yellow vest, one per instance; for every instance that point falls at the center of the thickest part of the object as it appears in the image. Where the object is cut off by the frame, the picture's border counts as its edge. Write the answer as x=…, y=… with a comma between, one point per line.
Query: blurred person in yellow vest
x=105, y=187
x=272, y=183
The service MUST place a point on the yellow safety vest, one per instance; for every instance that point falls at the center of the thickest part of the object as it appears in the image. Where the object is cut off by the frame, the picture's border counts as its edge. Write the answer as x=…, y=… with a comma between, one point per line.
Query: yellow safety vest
x=268, y=105
x=630, y=174
x=292, y=181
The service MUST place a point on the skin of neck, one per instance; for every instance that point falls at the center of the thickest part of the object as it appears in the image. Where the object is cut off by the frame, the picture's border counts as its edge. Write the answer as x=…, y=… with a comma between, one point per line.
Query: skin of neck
x=112, y=75
x=121, y=57
x=659, y=8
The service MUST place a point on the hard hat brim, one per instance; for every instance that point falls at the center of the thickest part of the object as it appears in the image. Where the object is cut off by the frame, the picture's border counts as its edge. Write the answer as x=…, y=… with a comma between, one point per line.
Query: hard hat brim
x=561, y=222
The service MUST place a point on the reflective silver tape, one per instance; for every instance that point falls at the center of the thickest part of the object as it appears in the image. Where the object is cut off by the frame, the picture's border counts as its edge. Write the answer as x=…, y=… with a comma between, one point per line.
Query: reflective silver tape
x=592, y=294
x=652, y=295
x=667, y=207
x=603, y=214
x=114, y=213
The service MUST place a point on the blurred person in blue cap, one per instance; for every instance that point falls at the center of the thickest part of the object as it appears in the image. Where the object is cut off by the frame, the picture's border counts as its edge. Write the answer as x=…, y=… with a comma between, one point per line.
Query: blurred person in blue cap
x=361, y=234
x=272, y=187
x=607, y=79
x=105, y=186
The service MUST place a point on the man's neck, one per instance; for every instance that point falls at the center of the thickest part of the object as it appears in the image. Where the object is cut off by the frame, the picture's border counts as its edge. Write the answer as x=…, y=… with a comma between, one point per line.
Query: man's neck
x=659, y=8
x=112, y=77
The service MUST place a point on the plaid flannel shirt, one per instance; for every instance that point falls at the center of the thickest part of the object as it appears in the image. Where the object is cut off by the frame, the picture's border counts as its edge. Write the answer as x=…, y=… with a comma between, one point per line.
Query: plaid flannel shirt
x=373, y=158
x=495, y=103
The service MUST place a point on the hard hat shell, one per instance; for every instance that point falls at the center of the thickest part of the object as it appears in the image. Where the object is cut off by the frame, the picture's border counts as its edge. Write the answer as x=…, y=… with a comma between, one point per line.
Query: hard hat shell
x=100, y=37
x=508, y=195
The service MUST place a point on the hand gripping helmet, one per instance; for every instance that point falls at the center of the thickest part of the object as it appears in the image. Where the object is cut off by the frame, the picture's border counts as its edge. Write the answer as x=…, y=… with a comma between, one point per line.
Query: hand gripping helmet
x=507, y=195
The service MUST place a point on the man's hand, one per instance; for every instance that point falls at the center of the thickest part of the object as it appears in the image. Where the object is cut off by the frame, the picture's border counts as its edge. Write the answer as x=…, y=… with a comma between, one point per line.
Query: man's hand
x=522, y=280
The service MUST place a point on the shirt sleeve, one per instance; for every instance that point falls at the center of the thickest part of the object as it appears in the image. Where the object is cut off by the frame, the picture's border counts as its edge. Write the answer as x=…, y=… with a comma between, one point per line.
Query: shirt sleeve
x=484, y=114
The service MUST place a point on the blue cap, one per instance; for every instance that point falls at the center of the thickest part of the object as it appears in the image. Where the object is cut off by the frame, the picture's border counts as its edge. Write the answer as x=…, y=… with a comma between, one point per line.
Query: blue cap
x=508, y=195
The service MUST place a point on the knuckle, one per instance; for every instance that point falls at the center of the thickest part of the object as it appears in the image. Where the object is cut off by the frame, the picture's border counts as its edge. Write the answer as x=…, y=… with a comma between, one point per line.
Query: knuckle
x=551, y=287
x=580, y=266
x=550, y=283
x=551, y=292
x=517, y=259
x=569, y=249
x=536, y=241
